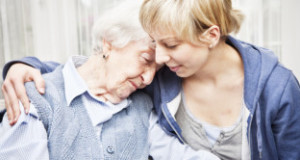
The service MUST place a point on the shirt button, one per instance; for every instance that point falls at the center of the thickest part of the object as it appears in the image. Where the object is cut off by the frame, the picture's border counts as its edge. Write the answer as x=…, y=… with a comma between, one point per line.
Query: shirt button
x=110, y=150
x=222, y=135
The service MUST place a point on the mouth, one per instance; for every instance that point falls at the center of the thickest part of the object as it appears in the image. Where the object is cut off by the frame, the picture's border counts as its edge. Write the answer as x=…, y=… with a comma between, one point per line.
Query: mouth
x=133, y=84
x=174, y=69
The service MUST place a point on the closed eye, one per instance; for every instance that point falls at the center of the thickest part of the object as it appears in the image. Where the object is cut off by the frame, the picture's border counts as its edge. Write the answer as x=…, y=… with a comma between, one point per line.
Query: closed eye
x=148, y=58
x=170, y=46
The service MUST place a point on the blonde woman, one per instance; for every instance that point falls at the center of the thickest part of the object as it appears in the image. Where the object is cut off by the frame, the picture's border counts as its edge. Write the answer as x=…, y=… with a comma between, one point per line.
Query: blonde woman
x=221, y=94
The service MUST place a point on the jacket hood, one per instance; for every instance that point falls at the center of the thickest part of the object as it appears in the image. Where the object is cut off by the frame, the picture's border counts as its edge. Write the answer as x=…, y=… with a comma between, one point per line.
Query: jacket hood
x=258, y=63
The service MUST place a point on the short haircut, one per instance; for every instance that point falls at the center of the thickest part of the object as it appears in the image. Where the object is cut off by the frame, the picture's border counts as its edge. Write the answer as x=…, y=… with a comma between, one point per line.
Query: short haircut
x=119, y=25
x=187, y=19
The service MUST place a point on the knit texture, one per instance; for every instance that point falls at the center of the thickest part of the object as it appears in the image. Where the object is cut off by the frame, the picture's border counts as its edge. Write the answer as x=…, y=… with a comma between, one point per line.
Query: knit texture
x=71, y=134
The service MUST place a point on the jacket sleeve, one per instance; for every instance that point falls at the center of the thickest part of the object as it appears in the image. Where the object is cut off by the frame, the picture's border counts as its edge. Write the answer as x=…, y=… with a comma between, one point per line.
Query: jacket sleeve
x=286, y=126
x=44, y=67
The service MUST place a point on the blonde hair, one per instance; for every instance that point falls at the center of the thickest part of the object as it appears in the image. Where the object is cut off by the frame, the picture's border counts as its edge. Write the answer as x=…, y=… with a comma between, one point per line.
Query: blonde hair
x=187, y=19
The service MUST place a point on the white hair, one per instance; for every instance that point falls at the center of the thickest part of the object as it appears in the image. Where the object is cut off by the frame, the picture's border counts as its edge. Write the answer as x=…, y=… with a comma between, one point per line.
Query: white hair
x=119, y=25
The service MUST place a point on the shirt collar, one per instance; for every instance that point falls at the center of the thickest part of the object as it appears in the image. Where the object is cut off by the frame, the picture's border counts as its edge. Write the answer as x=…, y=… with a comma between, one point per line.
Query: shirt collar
x=74, y=84
x=98, y=115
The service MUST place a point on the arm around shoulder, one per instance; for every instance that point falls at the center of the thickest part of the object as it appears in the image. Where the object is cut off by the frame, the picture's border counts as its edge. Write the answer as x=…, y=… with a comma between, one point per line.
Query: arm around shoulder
x=34, y=62
x=16, y=73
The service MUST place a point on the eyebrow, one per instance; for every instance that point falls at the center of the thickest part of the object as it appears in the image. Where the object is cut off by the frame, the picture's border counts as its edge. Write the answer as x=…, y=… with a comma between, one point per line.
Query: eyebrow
x=165, y=38
x=170, y=39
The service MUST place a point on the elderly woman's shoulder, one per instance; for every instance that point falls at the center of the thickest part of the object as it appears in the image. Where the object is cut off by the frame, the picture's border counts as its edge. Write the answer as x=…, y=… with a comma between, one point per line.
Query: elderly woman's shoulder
x=141, y=96
x=141, y=99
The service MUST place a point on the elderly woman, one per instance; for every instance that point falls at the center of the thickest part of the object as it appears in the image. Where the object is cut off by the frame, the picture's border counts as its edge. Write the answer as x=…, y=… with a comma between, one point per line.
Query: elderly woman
x=88, y=110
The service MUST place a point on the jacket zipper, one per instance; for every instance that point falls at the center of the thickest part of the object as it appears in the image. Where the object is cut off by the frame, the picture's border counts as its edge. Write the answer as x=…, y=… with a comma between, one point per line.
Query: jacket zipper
x=172, y=126
x=249, y=138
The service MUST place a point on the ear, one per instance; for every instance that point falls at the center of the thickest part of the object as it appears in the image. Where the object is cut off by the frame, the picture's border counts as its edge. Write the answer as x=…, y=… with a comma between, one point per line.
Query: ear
x=106, y=46
x=212, y=36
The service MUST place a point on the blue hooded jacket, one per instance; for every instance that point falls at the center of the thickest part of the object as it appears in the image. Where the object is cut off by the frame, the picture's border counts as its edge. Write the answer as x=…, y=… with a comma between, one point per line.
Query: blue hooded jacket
x=271, y=94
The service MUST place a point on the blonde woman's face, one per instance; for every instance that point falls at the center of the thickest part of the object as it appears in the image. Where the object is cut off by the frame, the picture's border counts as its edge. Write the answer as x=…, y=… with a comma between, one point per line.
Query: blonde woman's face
x=129, y=68
x=182, y=57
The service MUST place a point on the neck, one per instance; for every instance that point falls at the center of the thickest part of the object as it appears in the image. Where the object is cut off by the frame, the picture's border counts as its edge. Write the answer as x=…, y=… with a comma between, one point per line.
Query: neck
x=223, y=63
x=93, y=73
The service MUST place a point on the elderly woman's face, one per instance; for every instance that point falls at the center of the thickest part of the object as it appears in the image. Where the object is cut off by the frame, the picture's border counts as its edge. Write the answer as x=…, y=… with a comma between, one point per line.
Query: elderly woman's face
x=129, y=68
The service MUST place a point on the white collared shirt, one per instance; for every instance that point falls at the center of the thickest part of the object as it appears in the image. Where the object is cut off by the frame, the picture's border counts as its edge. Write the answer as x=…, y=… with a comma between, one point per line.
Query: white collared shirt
x=98, y=111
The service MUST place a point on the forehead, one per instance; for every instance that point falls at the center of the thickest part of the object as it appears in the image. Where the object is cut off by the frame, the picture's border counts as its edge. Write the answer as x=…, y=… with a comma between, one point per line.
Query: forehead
x=158, y=36
x=144, y=45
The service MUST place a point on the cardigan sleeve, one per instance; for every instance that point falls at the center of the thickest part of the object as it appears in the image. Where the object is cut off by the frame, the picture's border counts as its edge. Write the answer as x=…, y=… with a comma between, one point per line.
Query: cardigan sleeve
x=26, y=139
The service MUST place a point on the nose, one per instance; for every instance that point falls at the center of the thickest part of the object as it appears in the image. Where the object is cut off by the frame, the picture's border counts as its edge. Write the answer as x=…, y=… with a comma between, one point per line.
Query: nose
x=148, y=75
x=161, y=56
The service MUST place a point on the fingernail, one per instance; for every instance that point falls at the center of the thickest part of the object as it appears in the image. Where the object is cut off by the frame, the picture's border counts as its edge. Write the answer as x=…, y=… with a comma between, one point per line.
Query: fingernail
x=42, y=90
x=27, y=110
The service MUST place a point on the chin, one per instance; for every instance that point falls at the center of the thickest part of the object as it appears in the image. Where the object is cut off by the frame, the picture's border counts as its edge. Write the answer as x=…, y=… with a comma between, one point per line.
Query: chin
x=116, y=101
x=123, y=94
x=182, y=75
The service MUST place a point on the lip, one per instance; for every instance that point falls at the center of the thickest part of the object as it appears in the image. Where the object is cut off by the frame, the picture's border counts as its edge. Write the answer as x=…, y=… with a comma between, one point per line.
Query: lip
x=175, y=68
x=133, y=84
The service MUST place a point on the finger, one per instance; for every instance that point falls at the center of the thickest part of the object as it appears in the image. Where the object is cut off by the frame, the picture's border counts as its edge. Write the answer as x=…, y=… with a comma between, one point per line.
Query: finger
x=13, y=102
x=7, y=105
x=10, y=114
x=21, y=95
x=39, y=81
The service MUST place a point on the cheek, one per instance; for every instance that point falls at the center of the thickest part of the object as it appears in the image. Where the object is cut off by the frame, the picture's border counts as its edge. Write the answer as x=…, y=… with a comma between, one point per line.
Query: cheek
x=134, y=72
x=183, y=58
x=196, y=61
x=114, y=80
x=124, y=69
x=134, y=68
x=197, y=56
x=122, y=74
